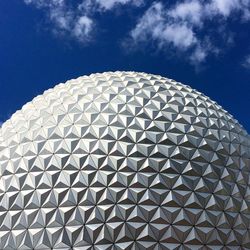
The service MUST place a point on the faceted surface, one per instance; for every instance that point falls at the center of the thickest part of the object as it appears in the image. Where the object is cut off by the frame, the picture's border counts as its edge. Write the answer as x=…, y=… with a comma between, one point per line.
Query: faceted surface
x=124, y=160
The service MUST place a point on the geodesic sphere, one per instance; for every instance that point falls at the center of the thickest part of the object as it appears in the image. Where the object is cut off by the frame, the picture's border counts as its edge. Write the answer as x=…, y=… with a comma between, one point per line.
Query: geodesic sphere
x=124, y=160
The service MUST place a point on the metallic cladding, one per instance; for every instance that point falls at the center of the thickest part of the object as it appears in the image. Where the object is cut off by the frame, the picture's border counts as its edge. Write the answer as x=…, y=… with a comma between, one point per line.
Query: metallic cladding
x=124, y=160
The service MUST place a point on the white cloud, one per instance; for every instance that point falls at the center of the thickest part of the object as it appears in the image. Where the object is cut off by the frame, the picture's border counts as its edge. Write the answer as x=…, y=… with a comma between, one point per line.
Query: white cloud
x=180, y=35
x=151, y=21
x=93, y=6
x=158, y=24
x=76, y=19
x=82, y=27
x=187, y=11
x=246, y=62
x=65, y=18
x=109, y=4
x=224, y=7
x=181, y=26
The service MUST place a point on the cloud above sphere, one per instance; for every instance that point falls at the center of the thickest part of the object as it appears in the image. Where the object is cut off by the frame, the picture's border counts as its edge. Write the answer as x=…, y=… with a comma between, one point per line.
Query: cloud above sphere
x=195, y=29
x=182, y=27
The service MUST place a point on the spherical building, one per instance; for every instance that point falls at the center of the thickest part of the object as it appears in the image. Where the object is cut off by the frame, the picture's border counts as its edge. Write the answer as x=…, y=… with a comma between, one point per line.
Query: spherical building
x=124, y=160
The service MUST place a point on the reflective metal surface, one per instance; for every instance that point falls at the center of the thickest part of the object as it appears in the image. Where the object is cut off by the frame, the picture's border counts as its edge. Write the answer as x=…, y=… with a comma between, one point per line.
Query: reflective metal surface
x=124, y=160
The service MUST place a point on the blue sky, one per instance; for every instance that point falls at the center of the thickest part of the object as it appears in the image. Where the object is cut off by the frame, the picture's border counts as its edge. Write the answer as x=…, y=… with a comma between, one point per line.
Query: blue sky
x=204, y=44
